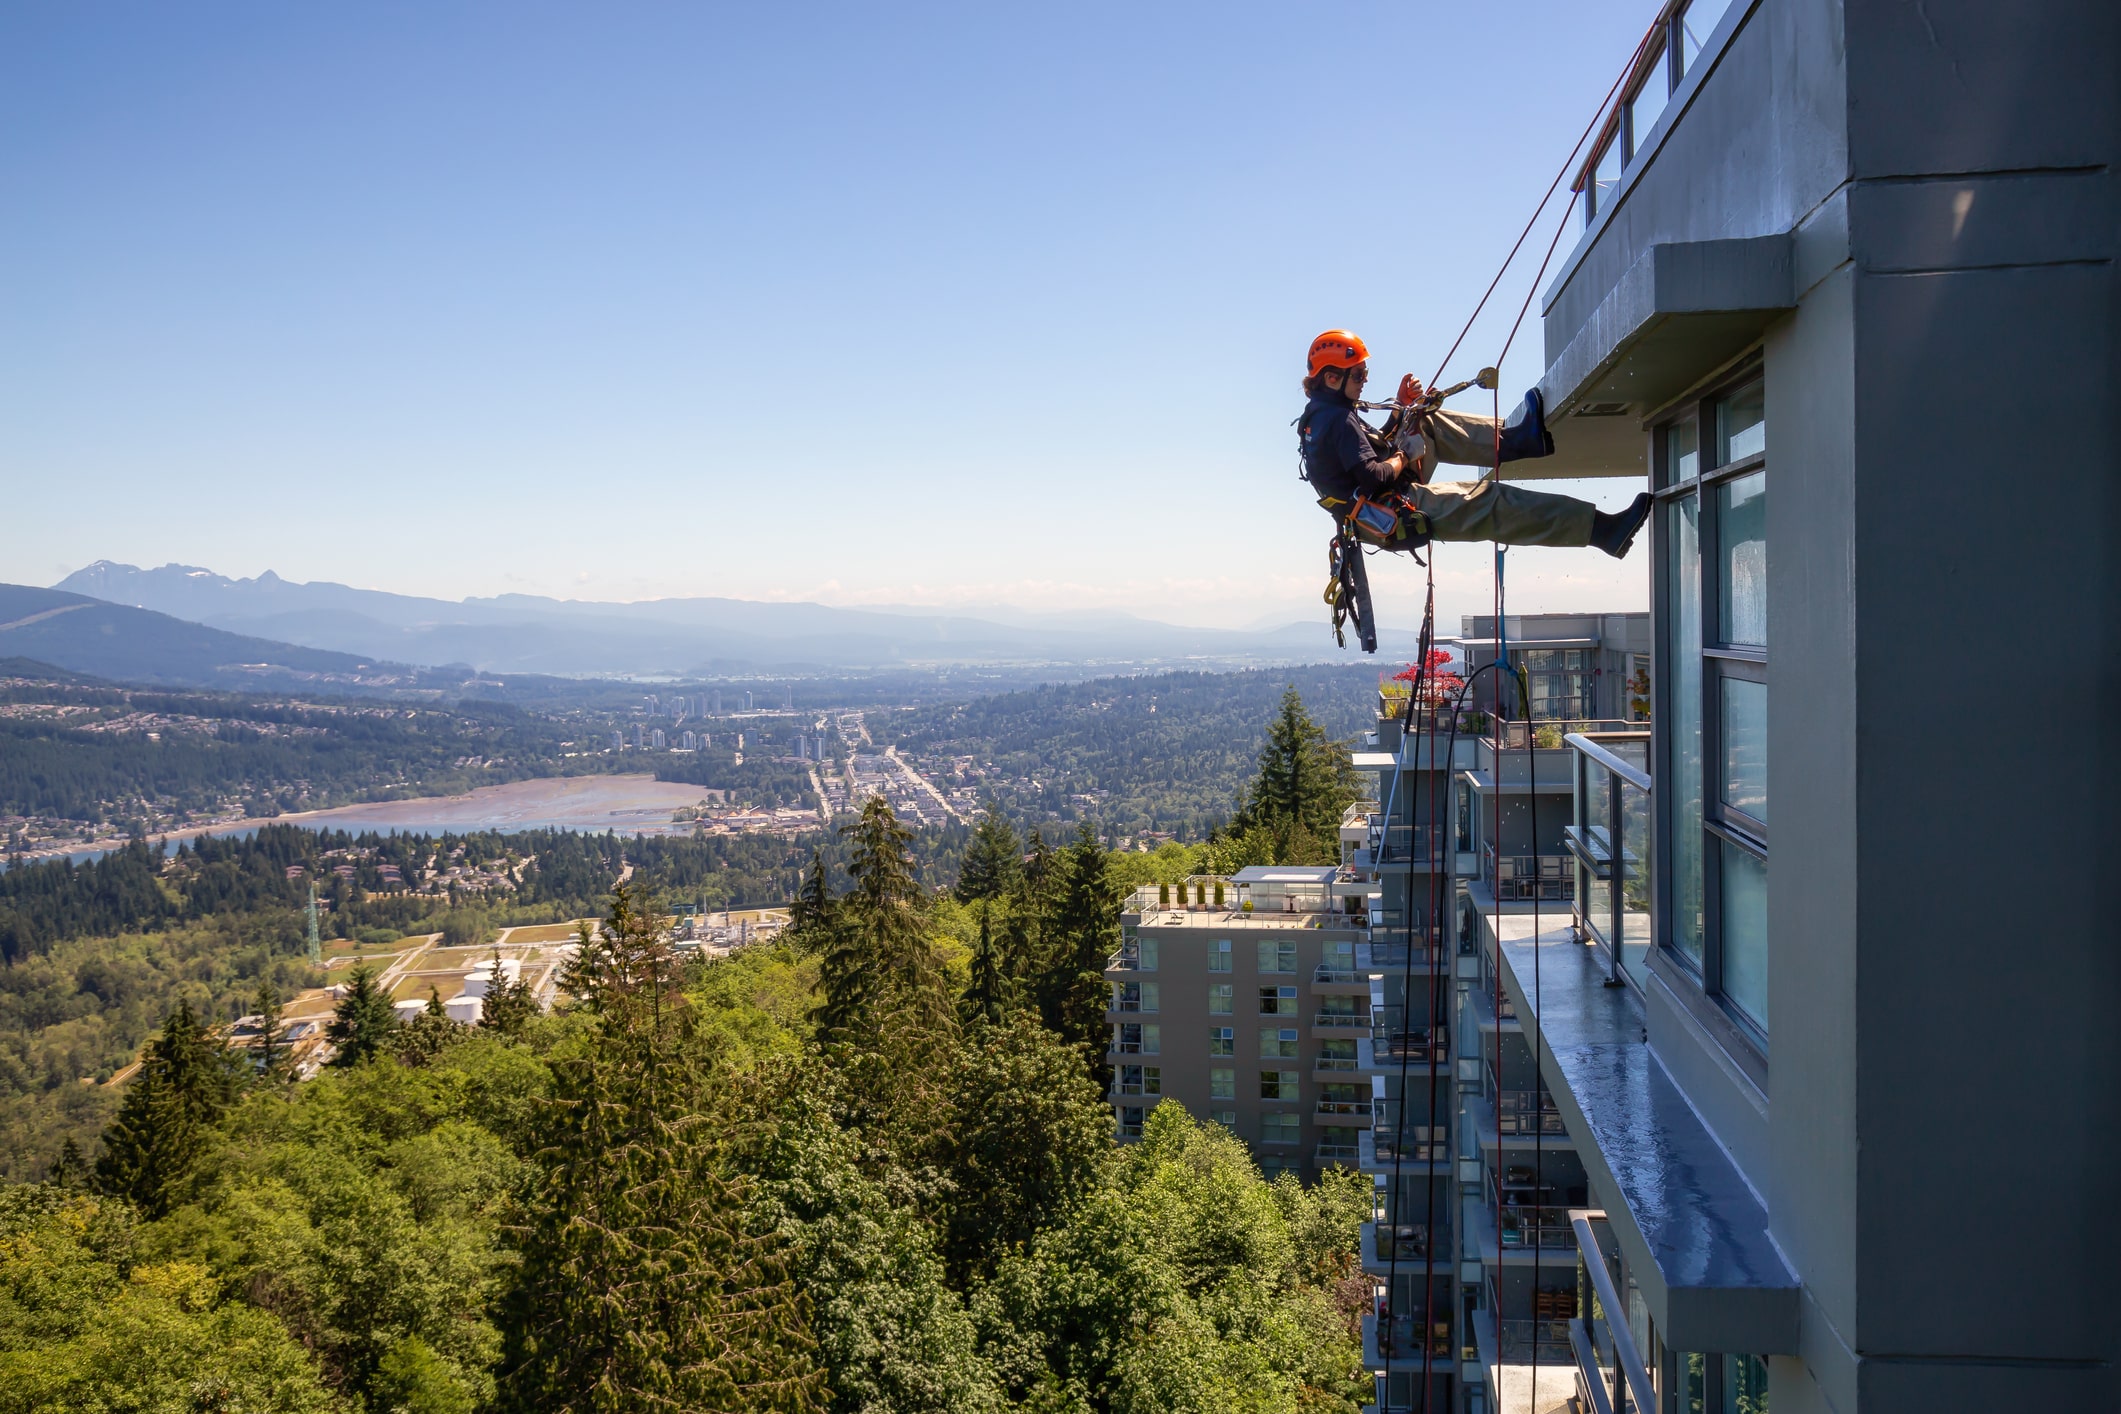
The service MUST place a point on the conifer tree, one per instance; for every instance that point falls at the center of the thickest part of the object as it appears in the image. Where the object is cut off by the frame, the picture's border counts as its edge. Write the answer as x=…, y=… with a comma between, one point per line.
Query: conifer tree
x=507, y=1007
x=993, y=859
x=162, y=1125
x=990, y=991
x=70, y=1169
x=1071, y=989
x=813, y=914
x=272, y=1051
x=879, y=966
x=1304, y=782
x=362, y=1023
x=645, y=1282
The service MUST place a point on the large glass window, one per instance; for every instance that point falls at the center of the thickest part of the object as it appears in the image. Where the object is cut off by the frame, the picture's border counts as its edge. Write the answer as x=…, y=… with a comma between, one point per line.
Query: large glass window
x=1744, y=746
x=1683, y=797
x=1713, y=804
x=1219, y=955
x=1696, y=23
x=1219, y=997
x=1741, y=559
x=1277, y=1043
x=1744, y=932
x=1222, y=1040
x=1222, y=1083
x=1646, y=103
x=1277, y=956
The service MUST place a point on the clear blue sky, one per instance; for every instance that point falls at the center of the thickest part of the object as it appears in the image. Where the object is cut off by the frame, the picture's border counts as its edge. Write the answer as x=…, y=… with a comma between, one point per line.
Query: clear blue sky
x=914, y=304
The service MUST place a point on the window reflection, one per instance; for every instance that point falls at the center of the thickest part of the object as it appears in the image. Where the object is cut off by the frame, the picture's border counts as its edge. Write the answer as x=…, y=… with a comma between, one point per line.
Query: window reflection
x=1684, y=624
x=1744, y=732
x=1741, y=424
x=1744, y=932
x=1647, y=103
x=1741, y=527
x=1682, y=452
x=1696, y=23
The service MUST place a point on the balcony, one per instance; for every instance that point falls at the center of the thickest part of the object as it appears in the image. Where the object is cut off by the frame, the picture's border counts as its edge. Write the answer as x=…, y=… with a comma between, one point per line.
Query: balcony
x=1331, y=1108
x=1426, y=1146
x=1524, y=878
x=1403, y=846
x=1388, y=1052
x=1127, y=960
x=1343, y=1154
x=1526, y=1112
x=1335, y=1067
x=1396, y=1339
x=1395, y=954
x=1341, y=1023
x=1386, y=1247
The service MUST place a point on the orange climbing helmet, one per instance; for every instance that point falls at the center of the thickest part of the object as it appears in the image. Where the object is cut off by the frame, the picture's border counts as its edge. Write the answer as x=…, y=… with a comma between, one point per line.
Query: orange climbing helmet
x=1337, y=348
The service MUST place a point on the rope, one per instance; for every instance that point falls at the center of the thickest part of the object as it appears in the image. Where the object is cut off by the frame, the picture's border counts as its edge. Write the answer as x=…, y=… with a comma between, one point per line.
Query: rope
x=1568, y=165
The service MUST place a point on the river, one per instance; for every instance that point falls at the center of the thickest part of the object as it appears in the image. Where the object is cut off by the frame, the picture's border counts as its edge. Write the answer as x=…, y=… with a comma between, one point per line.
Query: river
x=631, y=805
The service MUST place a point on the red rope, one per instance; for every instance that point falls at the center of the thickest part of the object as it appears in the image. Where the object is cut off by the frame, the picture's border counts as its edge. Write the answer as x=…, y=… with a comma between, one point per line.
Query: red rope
x=1568, y=165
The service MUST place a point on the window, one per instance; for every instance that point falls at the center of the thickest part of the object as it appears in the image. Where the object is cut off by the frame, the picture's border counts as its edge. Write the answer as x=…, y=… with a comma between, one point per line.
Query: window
x=1222, y=1040
x=1219, y=955
x=1277, y=1001
x=1136, y=1039
x=1280, y=1129
x=1130, y=1121
x=1226, y=1118
x=1712, y=739
x=1222, y=1083
x=1560, y=681
x=1278, y=1085
x=1141, y=1080
x=1145, y=954
x=1337, y=957
x=1220, y=995
x=1134, y=996
x=1277, y=956
x=1277, y=1043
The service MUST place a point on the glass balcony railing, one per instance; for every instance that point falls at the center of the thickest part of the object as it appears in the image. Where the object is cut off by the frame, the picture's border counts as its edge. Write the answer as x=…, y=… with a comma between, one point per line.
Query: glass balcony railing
x=1609, y=844
x=1328, y=1108
x=1408, y=1242
x=1523, y=1340
x=1348, y=1021
x=1400, y=1338
x=1417, y=1047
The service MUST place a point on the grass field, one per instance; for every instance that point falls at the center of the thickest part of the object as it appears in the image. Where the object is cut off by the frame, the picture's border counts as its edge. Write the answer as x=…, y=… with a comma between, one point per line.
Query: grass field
x=543, y=933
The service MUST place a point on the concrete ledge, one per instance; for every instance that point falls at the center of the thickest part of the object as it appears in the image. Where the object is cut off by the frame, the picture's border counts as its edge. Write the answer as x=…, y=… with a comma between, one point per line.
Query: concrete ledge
x=1680, y=308
x=1695, y=1237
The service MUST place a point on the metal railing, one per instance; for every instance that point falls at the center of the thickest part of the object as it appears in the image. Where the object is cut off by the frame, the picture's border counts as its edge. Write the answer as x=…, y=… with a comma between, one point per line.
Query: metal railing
x=1341, y=1020
x=1430, y=1147
x=1526, y=1112
x=1404, y=844
x=1343, y=1107
x=1608, y=1362
x=1333, y=1065
x=1419, y=1047
x=1517, y=1345
x=1528, y=1225
x=1400, y=1337
x=1609, y=844
x=1406, y=1242
x=1338, y=1153
x=1521, y=878
x=1328, y=973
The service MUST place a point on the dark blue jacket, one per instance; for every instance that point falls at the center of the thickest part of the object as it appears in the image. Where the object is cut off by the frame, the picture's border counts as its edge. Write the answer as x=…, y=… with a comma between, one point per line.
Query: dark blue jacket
x=1339, y=460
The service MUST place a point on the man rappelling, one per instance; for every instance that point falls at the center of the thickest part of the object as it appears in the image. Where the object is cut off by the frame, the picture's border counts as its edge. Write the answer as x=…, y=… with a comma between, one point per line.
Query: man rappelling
x=1375, y=481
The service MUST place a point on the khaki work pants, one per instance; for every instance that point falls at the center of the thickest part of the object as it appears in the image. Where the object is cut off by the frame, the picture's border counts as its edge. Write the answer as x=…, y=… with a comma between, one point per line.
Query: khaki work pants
x=1500, y=511
x=1487, y=510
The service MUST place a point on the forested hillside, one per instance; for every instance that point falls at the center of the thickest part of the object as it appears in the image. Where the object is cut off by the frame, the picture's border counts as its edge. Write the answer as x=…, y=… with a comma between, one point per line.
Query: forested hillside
x=861, y=1171
x=1167, y=752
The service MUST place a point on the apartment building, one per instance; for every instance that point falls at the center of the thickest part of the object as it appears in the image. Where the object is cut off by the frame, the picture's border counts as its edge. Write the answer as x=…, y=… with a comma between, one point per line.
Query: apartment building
x=1246, y=998
x=1814, y=1115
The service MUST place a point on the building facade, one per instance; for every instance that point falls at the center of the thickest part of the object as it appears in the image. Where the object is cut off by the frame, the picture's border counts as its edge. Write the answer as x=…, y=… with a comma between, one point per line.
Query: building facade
x=1817, y=1093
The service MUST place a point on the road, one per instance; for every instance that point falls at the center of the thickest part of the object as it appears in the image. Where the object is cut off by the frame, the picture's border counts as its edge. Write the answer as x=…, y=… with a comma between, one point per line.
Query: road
x=891, y=754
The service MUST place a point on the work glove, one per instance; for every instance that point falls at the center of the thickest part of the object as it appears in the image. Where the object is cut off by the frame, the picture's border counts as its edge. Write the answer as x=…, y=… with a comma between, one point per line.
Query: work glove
x=1408, y=441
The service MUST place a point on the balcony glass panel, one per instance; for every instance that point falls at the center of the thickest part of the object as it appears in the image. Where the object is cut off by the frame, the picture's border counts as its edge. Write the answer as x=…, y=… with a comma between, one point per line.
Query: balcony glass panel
x=1635, y=879
x=1646, y=103
x=1744, y=935
x=1744, y=741
x=1696, y=23
x=1741, y=560
x=1605, y=177
x=1683, y=622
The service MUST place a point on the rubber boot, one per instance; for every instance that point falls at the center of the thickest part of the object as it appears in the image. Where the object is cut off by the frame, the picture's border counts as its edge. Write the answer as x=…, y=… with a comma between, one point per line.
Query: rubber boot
x=1525, y=433
x=1615, y=533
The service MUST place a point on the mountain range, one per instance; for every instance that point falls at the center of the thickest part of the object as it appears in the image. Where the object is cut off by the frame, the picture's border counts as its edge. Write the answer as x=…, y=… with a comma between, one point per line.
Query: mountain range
x=521, y=633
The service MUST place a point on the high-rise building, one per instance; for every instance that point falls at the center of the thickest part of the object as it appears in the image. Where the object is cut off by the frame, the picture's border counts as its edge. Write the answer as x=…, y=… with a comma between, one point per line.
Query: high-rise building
x=747, y=702
x=688, y=741
x=655, y=738
x=716, y=696
x=618, y=741
x=1752, y=1114
x=640, y=736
